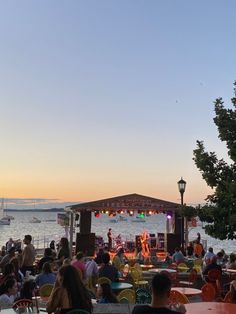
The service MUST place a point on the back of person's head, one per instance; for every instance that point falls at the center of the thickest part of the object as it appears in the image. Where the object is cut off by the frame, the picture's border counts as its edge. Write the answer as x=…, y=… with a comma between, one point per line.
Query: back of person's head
x=48, y=252
x=79, y=255
x=161, y=285
x=28, y=237
x=107, y=293
x=210, y=249
x=177, y=249
x=27, y=290
x=219, y=255
x=75, y=288
x=64, y=242
x=9, y=284
x=46, y=268
x=11, y=251
x=106, y=258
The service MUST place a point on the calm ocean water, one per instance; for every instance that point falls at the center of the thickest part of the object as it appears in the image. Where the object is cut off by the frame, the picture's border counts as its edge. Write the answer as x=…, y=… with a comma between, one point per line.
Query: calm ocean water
x=46, y=231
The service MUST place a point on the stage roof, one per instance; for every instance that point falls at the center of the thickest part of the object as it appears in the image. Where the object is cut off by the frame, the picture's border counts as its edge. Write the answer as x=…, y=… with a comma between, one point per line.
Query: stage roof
x=125, y=202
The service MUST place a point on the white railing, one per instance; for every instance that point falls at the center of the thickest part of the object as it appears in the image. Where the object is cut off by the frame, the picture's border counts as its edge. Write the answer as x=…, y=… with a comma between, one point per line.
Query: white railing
x=43, y=241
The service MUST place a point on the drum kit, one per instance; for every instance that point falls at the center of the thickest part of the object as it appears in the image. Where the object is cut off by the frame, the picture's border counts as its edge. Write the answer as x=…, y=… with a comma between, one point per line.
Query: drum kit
x=119, y=243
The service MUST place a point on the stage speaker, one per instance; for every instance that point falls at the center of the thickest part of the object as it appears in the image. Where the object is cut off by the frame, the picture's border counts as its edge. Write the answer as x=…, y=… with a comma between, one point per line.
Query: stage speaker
x=153, y=243
x=138, y=242
x=85, y=243
x=153, y=252
x=152, y=235
x=173, y=241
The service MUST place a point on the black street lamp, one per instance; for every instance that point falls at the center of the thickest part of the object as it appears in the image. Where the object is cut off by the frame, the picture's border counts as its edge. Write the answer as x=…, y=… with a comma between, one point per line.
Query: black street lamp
x=182, y=186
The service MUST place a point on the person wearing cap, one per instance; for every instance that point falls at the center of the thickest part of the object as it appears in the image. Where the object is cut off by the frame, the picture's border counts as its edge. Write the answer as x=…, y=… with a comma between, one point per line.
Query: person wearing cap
x=28, y=255
x=7, y=258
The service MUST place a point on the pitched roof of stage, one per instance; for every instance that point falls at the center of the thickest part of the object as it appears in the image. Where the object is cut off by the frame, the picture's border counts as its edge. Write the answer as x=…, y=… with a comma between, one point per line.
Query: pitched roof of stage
x=125, y=202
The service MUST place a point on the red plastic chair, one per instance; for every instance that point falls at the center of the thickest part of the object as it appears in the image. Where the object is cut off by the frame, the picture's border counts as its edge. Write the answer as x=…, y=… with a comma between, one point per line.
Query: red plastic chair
x=191, y=279
x=177, y=297
x=208, y=292
x=22, y=303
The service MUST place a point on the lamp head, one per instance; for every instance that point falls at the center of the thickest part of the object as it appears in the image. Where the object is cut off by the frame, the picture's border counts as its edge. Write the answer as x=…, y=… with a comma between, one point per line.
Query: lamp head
x=181, y=185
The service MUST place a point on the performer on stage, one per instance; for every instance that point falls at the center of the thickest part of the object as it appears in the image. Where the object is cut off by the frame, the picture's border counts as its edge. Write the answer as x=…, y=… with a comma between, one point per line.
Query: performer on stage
x=145, y=244
x=109, y=236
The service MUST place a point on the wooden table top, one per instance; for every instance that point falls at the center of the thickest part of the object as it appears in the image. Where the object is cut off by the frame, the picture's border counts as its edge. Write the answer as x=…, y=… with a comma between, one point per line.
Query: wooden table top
x=187, y=291
x=211, y=307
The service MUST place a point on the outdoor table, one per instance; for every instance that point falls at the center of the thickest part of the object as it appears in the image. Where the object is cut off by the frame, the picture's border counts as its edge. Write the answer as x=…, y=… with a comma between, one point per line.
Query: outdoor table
x=231, y=272
x=188, y=291
x=121, y=285
x=147, y=267
x=211, y=307
x=158, y=270
x=108, y=308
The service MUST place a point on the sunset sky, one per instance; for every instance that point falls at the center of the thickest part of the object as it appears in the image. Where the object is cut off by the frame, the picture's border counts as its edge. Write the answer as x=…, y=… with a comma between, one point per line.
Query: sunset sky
x=103, y=98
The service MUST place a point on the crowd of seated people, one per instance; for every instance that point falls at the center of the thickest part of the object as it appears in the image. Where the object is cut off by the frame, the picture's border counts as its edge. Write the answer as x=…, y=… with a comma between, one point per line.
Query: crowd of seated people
x=14, y=286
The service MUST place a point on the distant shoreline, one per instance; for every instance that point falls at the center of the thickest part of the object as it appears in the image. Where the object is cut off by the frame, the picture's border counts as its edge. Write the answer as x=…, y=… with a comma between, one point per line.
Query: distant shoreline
x=36, y=210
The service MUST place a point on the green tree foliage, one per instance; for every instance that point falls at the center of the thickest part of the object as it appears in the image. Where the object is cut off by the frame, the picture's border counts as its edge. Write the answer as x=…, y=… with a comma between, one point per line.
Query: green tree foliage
x=220, y=209
x=188, y=212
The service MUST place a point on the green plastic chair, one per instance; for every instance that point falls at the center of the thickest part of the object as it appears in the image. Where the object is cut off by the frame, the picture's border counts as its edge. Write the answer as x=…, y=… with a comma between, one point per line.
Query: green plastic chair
x=45, y=290
x=143, y=296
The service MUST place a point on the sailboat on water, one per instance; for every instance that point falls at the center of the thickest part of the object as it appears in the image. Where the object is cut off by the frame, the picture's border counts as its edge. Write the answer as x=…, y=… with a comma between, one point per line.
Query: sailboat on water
x=4, y=219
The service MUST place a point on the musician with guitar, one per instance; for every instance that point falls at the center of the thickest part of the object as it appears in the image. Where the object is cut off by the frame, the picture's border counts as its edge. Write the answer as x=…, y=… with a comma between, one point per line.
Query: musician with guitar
x=145, y=244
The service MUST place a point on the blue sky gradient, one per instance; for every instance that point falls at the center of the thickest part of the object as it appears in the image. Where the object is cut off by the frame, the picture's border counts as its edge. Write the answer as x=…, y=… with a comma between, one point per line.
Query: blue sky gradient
x=104, y=98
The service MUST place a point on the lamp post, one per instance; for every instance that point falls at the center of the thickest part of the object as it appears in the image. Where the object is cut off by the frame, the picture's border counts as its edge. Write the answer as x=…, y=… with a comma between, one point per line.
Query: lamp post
x=182, y=186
